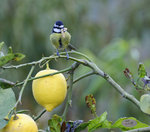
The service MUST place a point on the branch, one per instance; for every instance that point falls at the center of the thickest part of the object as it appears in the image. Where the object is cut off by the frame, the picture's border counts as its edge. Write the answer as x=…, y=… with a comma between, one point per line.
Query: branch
x=69, y=95
x=38, y=116
x=47, y=59
x=146, y=129
x=83, y=76
x=23, y=87
x=115, y=85
x=51, y=74
x=89, y=64
x=77, y=53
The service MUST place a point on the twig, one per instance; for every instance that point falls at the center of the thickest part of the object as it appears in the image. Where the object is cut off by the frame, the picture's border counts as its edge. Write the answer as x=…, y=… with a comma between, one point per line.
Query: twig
x=115, y=85
x=146, y=129
x=78, y=53
x=69, y=97
x=51, y=74
x=89, y=64
x=69, y=91
x=38, y=116
x=48, y=58
x=83, y=76
x=23, y=87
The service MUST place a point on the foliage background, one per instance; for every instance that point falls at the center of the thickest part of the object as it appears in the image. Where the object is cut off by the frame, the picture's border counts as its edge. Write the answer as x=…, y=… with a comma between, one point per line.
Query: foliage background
x=114, y=34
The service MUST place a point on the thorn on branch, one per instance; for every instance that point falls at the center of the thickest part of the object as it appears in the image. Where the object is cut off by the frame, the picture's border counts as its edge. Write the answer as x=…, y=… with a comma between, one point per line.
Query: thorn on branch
x=106, y=76
x=73, y=67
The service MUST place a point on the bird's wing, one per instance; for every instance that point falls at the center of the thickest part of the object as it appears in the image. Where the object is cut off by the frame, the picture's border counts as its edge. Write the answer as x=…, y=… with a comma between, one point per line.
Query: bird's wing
x=54, y=38
x=66, y=39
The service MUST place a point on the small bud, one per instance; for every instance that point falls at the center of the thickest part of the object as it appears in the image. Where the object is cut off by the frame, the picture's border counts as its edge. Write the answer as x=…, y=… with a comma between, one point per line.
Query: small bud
x=91, y=103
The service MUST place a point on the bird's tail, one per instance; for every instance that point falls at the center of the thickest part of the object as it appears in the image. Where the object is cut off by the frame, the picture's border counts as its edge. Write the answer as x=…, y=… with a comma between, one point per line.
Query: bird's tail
x=71, y=47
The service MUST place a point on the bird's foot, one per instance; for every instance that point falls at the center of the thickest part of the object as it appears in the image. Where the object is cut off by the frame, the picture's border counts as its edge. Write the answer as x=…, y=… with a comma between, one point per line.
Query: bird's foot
x=58, y=53
x=67, y=54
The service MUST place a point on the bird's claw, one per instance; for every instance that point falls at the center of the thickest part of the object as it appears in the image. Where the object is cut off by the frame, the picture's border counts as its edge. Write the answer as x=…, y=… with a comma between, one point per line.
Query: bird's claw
x=58, y=53
x=67, y=54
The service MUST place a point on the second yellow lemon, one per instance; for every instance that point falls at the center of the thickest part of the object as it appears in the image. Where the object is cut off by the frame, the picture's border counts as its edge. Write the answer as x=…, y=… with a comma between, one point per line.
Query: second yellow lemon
x=20, y=123
x=49, y=91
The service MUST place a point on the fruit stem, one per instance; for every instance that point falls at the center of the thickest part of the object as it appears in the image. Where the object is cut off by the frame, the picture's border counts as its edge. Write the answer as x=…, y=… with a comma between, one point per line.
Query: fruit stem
x=47, y=66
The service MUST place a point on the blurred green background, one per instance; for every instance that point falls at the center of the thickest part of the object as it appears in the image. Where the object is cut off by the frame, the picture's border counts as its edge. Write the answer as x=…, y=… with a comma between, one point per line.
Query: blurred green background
x=115, y=34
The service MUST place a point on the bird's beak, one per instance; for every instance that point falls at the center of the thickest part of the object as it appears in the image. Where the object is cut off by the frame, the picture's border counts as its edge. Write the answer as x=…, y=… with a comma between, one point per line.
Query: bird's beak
x=63, y=31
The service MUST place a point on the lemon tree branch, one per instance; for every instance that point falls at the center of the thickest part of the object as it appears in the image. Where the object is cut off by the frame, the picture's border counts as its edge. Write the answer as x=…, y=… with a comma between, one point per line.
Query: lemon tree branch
x=23, y=87
x=83, y=76
x=47, y=59
x=69, y=97
x=51, y=74
x=38, y=116
x=77, y=53
x=89, y=64
x=69, y=91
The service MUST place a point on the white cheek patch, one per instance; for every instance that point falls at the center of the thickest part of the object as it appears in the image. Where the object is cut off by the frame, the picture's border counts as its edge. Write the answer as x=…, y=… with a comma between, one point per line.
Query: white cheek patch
x=62, y=26
x=57, y=30
x=56, y=25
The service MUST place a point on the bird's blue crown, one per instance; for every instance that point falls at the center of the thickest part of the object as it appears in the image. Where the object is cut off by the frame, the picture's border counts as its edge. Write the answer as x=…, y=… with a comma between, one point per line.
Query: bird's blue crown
x=57, y=27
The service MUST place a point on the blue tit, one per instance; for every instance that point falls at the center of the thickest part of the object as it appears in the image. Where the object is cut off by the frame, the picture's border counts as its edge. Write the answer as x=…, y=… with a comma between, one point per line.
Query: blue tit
x=60, y=38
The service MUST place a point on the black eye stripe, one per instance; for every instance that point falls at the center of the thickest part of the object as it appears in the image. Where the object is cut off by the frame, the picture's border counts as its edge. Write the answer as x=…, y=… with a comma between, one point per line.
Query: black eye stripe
x=57, y=27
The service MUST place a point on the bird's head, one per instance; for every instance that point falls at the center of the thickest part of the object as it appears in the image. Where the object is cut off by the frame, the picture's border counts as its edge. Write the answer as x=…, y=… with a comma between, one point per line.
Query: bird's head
x=58, y=26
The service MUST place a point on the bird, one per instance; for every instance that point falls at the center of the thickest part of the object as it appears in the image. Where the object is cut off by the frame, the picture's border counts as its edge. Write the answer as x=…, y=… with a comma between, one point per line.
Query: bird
x=60, y=37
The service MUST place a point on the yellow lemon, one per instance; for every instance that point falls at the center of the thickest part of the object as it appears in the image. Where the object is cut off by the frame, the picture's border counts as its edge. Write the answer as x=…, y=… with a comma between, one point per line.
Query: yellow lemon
x=49, y=91
x=145, y=103
x=20, y=123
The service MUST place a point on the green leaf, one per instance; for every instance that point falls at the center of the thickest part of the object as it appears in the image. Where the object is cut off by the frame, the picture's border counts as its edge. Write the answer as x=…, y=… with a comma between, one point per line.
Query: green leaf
x=5, y=59
x=18, y=56
x=107, y=124
x=7, y=102
x=128, y=123
x=3, y=123
x=1, y=45
x=81, y=127
x=54, y=123
x=141, y=70
x=10, y=51
x=97, y=122
x=6, y=84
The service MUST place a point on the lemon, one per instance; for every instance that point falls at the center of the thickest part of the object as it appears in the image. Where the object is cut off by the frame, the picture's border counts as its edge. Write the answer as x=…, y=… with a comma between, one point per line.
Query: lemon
x=20, y=123
x=145, y=103
x=49, y=91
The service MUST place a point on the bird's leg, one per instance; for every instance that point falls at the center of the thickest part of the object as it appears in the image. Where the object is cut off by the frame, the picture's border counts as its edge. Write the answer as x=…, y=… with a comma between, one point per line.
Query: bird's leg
x=57, y=52
x=67, y=54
